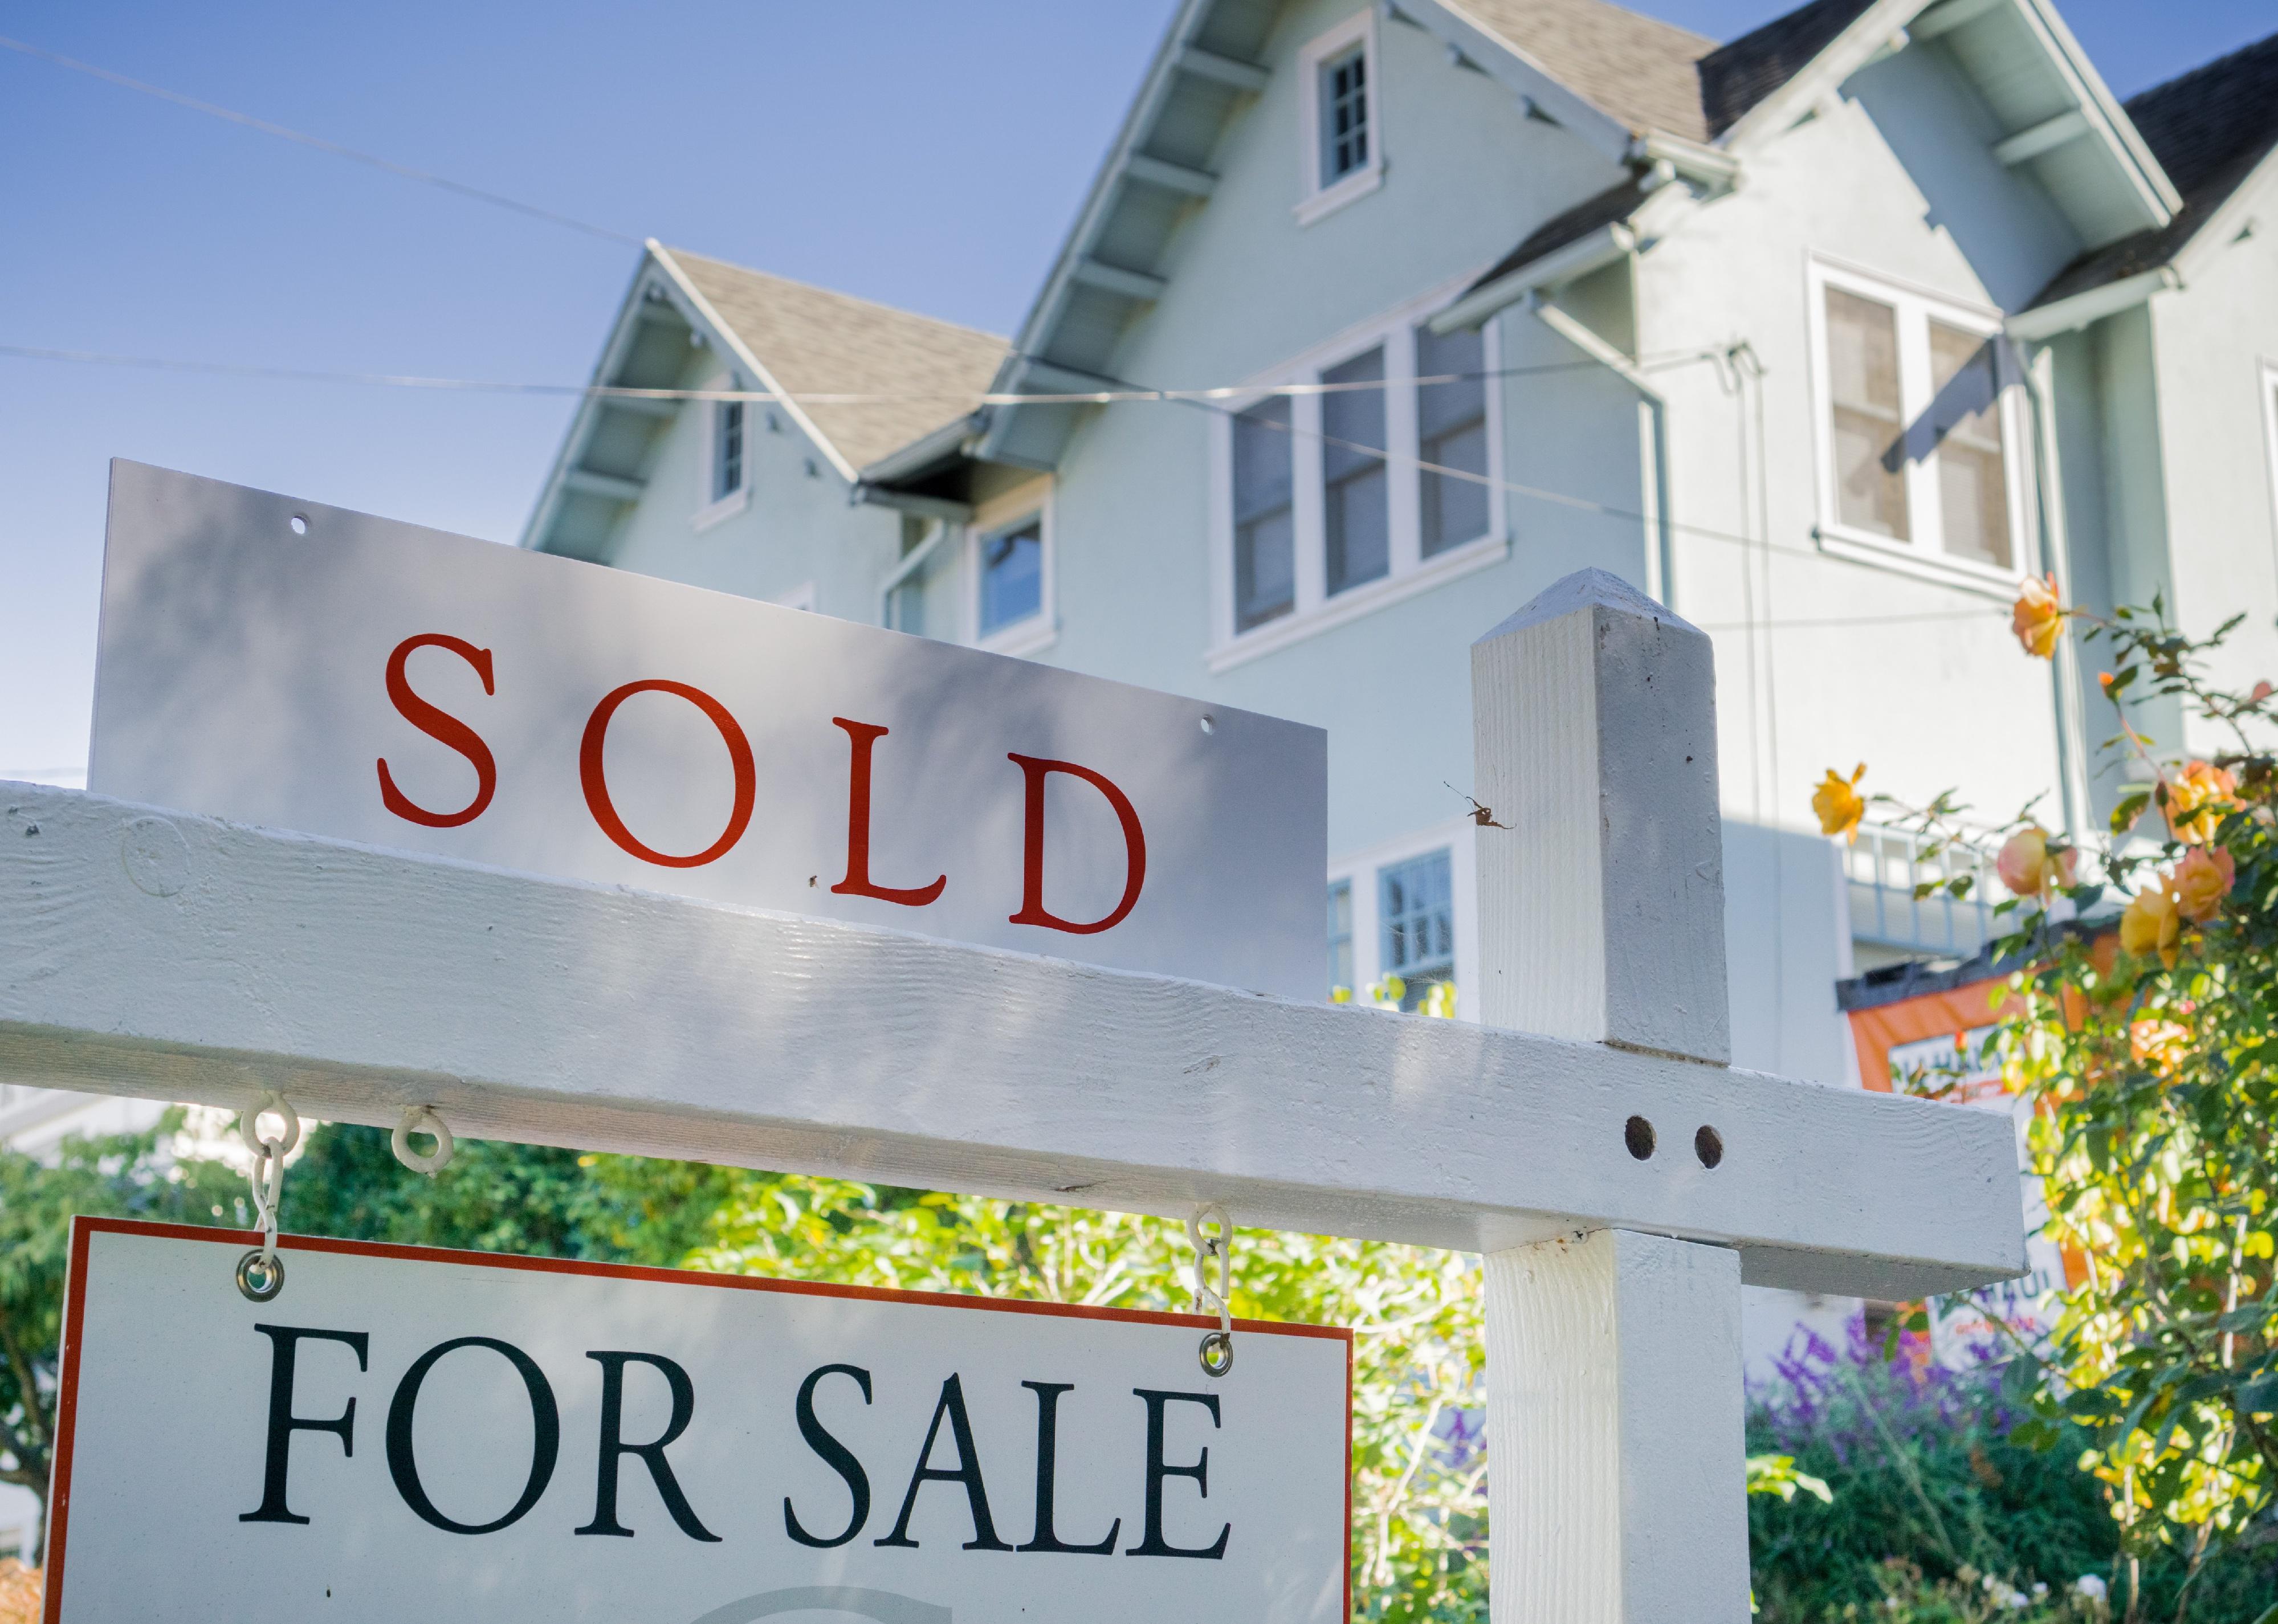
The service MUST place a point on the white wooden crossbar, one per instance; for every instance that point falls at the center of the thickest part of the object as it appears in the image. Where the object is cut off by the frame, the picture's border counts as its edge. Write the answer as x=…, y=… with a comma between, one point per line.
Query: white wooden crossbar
x=362, y=982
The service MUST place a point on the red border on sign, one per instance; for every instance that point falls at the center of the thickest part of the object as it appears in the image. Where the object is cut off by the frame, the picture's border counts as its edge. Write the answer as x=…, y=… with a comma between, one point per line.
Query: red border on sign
x=75, y=1309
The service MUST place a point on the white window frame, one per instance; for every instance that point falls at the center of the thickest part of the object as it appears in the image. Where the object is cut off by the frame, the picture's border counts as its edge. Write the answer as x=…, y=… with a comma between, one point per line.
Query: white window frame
x=729, y=506
x=1361, y=868
x=1924, y=554
x=1315, y=199
x=1034, y=632
x=1409, y=573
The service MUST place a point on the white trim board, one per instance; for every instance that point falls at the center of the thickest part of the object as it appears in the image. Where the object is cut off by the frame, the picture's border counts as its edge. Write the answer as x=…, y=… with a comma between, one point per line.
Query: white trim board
x=757, y=1039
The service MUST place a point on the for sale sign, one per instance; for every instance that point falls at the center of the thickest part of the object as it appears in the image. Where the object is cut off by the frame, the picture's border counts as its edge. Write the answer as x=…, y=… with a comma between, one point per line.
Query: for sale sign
x=407, y=1434
x=278, y=662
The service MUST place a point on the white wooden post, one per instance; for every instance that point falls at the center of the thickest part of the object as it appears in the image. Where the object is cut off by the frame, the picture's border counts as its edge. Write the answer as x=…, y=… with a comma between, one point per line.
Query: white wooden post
x=1614, y=1381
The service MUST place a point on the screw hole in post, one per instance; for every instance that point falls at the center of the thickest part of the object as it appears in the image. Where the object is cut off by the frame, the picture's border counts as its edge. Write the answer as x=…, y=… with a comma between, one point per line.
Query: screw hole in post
x=1708, y=1145
x=1637, y=1134
x=299, y=522
x=1210, y=724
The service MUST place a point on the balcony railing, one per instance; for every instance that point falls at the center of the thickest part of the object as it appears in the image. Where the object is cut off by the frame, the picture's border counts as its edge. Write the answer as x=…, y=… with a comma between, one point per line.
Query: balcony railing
x=1884, y=873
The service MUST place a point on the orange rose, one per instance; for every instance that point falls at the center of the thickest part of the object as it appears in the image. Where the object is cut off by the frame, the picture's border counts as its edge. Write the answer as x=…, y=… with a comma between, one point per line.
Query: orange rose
x=2037, y=618
x=2197, y=799
x=2152, y=924
x=2028, y=868
x=2202, y=879
x=2163, y=1045
x=1839, y=804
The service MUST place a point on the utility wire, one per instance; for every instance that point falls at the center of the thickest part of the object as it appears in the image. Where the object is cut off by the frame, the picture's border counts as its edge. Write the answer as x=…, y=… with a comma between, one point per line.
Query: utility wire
x=425, y=177
x=1204, y=399
x=618, y=391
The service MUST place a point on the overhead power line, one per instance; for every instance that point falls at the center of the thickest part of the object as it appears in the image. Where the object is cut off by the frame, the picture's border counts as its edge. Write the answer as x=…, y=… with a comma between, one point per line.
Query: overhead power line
x=1208, y=399
x=424, y=177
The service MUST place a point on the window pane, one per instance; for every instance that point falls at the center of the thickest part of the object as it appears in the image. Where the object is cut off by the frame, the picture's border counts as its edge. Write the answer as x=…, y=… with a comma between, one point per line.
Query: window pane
x=1869, y=414
x=1357, y=505
x=1451, y=427
x=1012, y=575
x=1344, y=116
x=1418, y=911
x=728, y=453
x=1264, y=560
x=1973, y=486
x=1341, y=944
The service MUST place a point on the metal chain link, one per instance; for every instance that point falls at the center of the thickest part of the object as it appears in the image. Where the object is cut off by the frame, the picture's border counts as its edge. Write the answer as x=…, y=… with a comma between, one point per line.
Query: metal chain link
x=1217, y=1350
x=261, y=1272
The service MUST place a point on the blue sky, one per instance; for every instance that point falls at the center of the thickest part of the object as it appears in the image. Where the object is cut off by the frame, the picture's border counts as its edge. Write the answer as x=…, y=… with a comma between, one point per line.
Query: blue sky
x=923, y=154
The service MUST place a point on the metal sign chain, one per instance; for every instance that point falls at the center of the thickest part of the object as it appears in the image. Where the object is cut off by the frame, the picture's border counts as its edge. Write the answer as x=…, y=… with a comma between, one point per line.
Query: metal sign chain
x=1216, y=1351
x=261, y=1272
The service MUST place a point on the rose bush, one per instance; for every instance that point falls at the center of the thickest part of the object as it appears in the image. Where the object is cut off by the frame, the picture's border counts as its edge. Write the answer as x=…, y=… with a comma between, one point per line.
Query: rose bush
x=2145, y=1034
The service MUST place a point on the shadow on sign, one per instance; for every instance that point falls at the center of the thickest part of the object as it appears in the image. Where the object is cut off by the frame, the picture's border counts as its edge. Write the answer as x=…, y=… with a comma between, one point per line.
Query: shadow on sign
x=883, y=1606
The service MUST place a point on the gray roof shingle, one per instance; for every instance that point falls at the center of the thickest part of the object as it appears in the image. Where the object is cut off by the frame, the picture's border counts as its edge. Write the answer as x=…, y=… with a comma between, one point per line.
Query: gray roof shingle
x=2210, y=129
x=1735, y=77
x=1636, y=68
x=817, y=341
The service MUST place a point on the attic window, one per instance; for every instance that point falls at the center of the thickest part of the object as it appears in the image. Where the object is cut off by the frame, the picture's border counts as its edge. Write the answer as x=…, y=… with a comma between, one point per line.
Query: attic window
x=1342, y=151
x=727, y=449
x=1344, y=116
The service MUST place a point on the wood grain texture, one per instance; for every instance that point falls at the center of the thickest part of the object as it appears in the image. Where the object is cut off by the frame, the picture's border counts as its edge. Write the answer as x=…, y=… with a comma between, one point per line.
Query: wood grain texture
x=206, y=961
x=1601, y=907
x=1614, y=1402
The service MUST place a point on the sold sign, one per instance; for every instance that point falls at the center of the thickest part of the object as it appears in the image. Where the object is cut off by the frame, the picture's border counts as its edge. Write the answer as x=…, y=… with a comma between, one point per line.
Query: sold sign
x=278, y=662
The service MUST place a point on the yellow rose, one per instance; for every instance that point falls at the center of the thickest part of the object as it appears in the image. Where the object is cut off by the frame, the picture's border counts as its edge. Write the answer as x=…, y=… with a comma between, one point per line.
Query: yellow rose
x=2202, y=879
x=1839, y=804
x=2037, y=618
x=2196, y=797
x=2027, y=865
x=2152, y=924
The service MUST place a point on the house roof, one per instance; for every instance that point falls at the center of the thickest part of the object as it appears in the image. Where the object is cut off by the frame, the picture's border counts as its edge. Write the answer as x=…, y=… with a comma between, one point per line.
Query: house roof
x=1636, y=68
x=814, y=341
x=1735, y=77
x=1614, y=204
x=2210, y=129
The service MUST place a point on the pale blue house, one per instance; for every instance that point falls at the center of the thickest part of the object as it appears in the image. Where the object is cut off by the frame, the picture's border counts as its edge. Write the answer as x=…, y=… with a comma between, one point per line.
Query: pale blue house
x=1825, y=337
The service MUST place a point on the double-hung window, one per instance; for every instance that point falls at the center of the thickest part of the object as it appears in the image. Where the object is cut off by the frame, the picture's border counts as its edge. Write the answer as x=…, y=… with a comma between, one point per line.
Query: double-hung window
x=1451, y=437
x=1373, y=478
x=1917, y=441
x=1265, y=556
x=1416, y=912
x=1009, y=595
x=1012, y=575
x=1355, y=490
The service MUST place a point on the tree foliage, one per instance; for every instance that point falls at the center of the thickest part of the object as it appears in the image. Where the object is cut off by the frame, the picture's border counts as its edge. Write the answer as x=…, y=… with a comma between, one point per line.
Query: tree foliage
x=122, y=1176
x=1419, y=1461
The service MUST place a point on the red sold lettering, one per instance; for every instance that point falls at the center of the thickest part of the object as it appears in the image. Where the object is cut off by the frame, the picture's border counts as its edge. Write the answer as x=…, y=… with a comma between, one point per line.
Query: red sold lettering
x=1033, y=911
x=863, y=736
x=442, y=727
x=591, y=773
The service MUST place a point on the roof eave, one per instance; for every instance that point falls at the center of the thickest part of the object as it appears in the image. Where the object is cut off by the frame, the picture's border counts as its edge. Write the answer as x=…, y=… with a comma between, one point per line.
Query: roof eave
x=2090, y=306
x=1601, y=248
x=544, y=511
